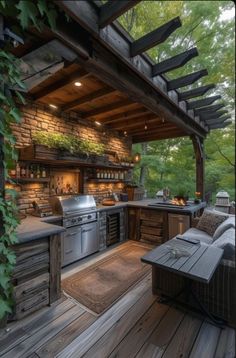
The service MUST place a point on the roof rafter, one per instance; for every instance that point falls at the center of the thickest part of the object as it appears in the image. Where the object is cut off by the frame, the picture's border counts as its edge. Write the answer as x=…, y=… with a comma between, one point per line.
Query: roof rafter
x=217, y=114
x=217, y=120
x=220, y=125
x=113, y=9
x=200, y=91
x=174, y=62
x=154, y=38
x=202, y=102
x=103, y=92
x=209, y=109
x=186, y=80
x=124, y=116
x=107, y=108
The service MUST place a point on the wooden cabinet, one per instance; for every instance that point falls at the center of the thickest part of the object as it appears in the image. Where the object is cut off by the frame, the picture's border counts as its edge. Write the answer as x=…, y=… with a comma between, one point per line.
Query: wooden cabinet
x=133, y=223
x=37, y=275
x=177, y=224
x=153, y=226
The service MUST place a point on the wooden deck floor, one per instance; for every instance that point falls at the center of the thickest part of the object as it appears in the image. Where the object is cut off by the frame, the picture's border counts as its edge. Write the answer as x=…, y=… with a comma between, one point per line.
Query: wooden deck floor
x=135, y=326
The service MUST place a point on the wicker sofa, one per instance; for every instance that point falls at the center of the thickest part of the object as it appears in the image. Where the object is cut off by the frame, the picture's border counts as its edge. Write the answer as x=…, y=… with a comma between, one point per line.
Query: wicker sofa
x=219, y=296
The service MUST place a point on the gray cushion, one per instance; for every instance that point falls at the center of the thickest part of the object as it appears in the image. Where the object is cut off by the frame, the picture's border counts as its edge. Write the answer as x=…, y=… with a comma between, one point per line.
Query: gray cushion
x=227, y=224
x=194, y=233
x=210, y=220
x=227, y=242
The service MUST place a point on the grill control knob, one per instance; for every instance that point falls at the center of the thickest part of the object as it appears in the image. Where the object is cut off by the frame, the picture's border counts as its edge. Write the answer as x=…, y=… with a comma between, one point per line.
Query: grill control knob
x=73, y=221
x=80, y=219
x=89, y=216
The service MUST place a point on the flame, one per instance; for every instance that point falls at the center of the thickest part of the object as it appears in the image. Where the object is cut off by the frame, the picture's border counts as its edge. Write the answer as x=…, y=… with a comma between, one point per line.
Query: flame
x=180, y=202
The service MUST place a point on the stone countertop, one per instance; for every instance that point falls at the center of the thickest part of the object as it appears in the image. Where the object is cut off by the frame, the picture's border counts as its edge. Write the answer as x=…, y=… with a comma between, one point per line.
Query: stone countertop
x=33, y=228
x=148, y=203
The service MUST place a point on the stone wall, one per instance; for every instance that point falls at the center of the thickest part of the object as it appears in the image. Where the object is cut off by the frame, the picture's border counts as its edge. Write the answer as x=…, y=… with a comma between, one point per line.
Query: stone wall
x=40, y=118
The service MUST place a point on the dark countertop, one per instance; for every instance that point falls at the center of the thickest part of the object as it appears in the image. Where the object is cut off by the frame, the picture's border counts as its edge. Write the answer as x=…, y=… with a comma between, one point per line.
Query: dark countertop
x=33, y=228
x=148, y=204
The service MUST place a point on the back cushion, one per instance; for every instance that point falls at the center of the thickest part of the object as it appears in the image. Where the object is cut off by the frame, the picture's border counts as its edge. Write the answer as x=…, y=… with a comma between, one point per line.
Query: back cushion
x=210, y=220
x=227, y=224
x=227, y=242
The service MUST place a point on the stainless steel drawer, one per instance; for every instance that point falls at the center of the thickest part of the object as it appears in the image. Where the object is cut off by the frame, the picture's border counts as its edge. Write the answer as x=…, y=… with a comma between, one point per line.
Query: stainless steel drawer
x=89, y=239
x=71, y=245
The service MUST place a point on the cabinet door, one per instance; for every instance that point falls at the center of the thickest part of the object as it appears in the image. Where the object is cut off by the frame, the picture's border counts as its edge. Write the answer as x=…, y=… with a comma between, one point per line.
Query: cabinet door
x=71, y=245
x=133, y=223
x=178, y=224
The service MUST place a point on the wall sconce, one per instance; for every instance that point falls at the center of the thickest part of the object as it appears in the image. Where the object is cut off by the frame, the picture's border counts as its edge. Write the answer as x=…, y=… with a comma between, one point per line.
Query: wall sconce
x=137, y=157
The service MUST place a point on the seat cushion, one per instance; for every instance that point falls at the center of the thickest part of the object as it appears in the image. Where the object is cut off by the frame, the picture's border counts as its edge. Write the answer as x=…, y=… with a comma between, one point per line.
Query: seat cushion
x=210, y=220
x=194, y=233
x=227, y=224
x=227, y=242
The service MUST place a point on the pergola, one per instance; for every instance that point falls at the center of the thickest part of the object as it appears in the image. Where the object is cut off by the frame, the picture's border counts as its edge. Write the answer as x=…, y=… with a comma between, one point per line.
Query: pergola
x=124, y=89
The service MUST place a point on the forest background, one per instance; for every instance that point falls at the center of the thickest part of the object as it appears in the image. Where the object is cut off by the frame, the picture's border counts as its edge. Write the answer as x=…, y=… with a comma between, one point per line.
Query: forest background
x=209, y=25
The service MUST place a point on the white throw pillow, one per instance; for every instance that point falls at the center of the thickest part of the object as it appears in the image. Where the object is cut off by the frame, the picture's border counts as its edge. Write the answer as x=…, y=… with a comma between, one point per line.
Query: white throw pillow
x=227, y=242
x=227, y=224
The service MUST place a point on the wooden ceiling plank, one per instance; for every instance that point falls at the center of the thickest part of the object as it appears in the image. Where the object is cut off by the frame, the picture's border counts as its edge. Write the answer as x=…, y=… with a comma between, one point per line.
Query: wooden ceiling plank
x=209, y=109
x=202, y=102
x=186, y=80
x=139, y=122
x=149, y=138
x=217, y=114
x=125, y=115
x=152, y=130
x=103, y=92
x=107, y=108
x=196, y=92
x=174, y=62
x=142, y=116
x=113, y=9
x=78, y=75
x=154, y=38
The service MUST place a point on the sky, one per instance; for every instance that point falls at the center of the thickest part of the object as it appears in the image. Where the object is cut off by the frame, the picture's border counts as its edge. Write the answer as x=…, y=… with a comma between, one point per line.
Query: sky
x=227, y=14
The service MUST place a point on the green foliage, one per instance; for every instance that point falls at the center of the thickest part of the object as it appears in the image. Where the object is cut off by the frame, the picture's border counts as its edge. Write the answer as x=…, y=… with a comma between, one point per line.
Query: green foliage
x=68, y=142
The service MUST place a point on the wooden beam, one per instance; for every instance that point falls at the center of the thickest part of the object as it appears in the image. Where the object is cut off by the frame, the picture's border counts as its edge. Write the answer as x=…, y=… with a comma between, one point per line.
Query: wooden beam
x=77, y=75
x=113, y=9
x=107, y=108
x=125, y=115
x=152, y=130
x=174, y=62
x=138, y=123
x=217, y=120
x=209, y=109
x=137, y=120
x=166, y=135
x=154, y=38
x=220, y=125
x=186, y=80
x=101, y=93
x=198, y=146
x=202, y=102
x=218, y=114
x=196, y=92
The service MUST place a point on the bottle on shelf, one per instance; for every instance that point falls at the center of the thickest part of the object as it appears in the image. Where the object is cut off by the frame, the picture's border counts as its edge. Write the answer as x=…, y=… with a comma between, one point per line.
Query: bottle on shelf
x=23, y=171
x=12, y=172
x=102, y=174
x=116, y=174
x=108, y=174
x=18, y=170
x=31, y=172
x=44, y=173
x=98, y=174
x=105, y=174
x=38, y=173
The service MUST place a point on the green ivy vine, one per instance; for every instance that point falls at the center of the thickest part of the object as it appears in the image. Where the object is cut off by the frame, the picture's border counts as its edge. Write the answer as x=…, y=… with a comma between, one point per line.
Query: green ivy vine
x=29, y=13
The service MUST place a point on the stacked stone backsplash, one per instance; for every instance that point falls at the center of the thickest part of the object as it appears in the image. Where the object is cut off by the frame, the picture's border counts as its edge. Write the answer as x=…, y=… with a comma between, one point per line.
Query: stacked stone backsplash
x=41, y=118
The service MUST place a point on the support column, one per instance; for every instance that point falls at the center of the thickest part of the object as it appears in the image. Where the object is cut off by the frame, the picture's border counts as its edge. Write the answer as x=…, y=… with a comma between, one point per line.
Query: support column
x=198, y=145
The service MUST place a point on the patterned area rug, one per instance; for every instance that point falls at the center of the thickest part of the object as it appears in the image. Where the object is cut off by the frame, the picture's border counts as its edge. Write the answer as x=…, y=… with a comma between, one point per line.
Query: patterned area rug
x=100, y=285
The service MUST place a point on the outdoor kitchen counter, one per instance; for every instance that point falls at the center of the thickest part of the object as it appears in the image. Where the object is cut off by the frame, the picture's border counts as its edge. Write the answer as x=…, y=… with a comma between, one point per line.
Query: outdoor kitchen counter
x=191, y=209
x=33, y=228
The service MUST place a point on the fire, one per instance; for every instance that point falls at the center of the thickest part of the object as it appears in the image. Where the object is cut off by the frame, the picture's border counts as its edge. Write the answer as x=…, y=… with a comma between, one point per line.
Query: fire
x=178, y=202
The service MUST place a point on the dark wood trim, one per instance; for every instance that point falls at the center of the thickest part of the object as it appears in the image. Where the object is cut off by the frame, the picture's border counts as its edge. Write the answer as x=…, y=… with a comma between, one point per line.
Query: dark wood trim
x=113, y=9
x=55, y=268
x=217, y=120
x=174, y=62
x=80, y=74
x=222, y=125
x=107, y=108
x=152, y=130
x=166, y=135
x=200, y=91
x=155, y=37
x=186, y=80
x=198, y=146
x=202, y=102
x=209, y=109
x=103, y=92
x=214, y=115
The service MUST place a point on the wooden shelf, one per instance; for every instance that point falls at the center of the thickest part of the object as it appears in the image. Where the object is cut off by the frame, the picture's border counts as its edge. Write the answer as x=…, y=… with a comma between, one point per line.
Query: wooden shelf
x=29, y=180
x=96, y=180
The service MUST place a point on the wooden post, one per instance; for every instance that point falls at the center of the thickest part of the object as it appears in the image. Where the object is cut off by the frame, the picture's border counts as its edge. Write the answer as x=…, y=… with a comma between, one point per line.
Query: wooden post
x=198, y=146
x=2, y=181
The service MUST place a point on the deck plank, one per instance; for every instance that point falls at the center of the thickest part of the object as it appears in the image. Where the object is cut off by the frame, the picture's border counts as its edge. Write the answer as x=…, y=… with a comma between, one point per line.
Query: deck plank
x=90, y=336
x=139, y=334
x=226, y=344
x=206, y=342
x=162, y=335
x=122, y=326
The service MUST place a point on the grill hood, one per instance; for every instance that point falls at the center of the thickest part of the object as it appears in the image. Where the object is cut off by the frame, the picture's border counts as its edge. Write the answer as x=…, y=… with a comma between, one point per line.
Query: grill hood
x=70, y=204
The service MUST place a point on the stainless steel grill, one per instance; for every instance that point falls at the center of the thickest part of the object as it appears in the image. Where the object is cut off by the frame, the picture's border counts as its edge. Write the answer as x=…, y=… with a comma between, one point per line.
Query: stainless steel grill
x=80, y=220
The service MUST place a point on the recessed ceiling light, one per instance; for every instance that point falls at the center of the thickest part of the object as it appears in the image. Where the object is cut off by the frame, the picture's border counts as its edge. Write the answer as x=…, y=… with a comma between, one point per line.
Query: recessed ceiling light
x=98, y=123
x=78, y=84
x=125, y=133
x=53, y=106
